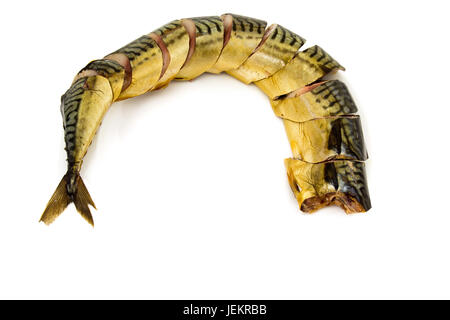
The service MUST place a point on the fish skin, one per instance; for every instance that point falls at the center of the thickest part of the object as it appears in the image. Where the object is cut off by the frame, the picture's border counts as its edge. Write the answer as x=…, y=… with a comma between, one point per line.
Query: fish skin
x=305, y=68
x=95, y=101
x=330, y=98
x=272, y=55
x=316, y=185
x=83, y=107
x=111, y=70
x=327, y=139
x=245, y=35
x=176, y=40
x=208, y=46
x=146, y=62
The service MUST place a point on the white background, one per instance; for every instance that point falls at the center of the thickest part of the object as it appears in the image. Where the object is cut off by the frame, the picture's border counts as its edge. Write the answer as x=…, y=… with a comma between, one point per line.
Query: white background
x=192, y=196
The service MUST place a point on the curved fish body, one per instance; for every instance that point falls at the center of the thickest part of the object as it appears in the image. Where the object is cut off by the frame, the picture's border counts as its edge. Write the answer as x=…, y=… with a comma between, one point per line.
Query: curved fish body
x=327, y=167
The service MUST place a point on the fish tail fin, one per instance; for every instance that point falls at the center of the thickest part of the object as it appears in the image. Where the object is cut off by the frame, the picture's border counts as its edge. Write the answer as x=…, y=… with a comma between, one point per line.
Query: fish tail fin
x=57, y=203
x=82, y=200
x=61, y=199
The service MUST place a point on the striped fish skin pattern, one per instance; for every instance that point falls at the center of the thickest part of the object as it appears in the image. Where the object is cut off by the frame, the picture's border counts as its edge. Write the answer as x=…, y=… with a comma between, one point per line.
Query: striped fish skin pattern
x=246, y=26
x=146, y=61
x=331, y=98
x=326, y=139
x=245, y=35
x=305, y=68
x=334, y=97
x=318, y=114
x=82, y=108
x=176, y=39
x=70, y=104
x=208, y=46
x=342, y=183
x=351, y=178
x=111, y=70
x=168, y=28
x=279, y=48
x=321, y=58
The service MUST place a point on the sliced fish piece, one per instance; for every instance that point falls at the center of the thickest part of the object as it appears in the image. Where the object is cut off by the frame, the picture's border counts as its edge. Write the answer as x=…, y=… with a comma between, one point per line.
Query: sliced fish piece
x=324, y=99
x=305, y=68
x=146, y=61
x=173, y=39
x=110, y=69
x=277, y=48
x=206, y=43
x=341, y=183
x=242, y=36
x=325, y=139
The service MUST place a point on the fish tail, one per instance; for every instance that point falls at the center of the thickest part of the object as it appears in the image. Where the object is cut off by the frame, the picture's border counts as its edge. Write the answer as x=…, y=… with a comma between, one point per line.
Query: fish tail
x=61, y=198
x=57, y=203
x=82, y=199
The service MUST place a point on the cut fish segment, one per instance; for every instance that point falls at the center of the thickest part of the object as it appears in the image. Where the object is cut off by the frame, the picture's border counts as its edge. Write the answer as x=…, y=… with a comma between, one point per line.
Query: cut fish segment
x=123, y=60
x=325, y=139
x=146, y=62
x=305, y=68
x=209, y=33
x=324, y=99
x=110, y=69
x=175, y=39
x=242, y=36
x=277, y=47
x=341, y=183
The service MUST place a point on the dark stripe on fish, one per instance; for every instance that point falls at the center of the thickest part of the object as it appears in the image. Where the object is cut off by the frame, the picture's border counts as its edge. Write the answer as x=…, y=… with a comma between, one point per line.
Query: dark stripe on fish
x=70, y=104
x=137, y=47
